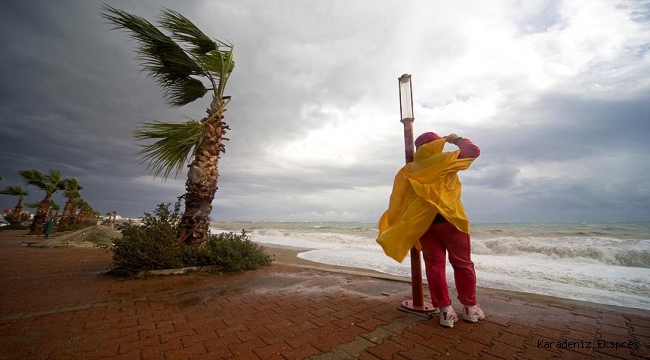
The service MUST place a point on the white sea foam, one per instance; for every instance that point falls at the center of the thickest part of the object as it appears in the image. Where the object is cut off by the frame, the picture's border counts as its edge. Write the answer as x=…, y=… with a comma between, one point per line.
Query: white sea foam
x=602, y=269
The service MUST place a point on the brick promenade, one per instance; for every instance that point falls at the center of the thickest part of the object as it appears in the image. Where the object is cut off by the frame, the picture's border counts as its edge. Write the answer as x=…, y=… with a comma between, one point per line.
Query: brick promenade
x=55, y=304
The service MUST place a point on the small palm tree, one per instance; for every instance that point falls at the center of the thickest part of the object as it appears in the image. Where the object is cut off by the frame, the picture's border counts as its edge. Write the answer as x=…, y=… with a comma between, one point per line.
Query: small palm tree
x=176, y=63
x=72, y=192
x=20, y=193
x=86, y=212
x=50, y=183
x=114, y=213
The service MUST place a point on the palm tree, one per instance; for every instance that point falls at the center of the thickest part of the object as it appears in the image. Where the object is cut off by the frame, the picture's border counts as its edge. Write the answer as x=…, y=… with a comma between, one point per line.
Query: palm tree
x=72, y=192
x=114, y=213
x=20, y=193
x=108, y=217
x=175, y=62
x=86, y=212
x=50, y=183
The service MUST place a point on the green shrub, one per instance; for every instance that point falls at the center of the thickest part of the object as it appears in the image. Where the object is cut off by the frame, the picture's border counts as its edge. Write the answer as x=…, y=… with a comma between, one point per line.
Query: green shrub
x=154, y=245
x=229, y=252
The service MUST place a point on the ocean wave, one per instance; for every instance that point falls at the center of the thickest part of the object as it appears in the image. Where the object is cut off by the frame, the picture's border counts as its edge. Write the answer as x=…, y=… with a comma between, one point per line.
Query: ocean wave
x=629, y=253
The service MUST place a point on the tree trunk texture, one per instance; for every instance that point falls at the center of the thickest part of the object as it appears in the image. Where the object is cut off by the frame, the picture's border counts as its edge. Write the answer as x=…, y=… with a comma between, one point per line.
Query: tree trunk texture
x=69, y=211
x=201, y=184
x=18, y=212
x=40, y=217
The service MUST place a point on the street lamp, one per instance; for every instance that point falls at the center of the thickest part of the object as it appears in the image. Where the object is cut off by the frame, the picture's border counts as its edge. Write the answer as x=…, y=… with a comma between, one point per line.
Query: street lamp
x=406, y=113
x=407, y=118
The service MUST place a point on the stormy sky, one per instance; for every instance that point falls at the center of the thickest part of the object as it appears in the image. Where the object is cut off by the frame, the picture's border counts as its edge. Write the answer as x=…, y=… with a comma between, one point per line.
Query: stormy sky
x=555, y=93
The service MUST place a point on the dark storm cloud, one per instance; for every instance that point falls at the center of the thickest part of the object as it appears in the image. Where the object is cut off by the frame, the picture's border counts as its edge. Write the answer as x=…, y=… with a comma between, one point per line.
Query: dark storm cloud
x=62, y=98
x=71, y=95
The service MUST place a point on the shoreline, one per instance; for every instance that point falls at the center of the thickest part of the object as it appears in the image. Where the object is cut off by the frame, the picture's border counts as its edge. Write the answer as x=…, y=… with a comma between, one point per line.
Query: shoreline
x=288, y=255
x=285, y=255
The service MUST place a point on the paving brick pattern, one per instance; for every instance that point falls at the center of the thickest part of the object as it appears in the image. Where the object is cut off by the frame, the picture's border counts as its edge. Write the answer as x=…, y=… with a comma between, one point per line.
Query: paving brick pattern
x=56, y=304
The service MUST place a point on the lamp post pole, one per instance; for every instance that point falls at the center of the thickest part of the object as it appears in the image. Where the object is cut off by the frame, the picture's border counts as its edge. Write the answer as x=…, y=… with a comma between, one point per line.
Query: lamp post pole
x=407, y=118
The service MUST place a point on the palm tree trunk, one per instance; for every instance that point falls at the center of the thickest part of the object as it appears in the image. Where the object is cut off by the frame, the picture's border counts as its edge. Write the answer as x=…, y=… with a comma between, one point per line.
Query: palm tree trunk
x=18, y=212
x=40, y=217
x=201, y=184
x=69, y=211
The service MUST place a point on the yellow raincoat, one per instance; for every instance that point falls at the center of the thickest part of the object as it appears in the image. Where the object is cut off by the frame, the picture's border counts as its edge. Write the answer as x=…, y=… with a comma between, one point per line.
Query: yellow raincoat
x=422, y=189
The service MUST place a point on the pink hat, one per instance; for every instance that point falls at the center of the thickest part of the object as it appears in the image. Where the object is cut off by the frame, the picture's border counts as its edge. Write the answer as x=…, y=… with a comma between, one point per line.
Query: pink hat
x=425, y=138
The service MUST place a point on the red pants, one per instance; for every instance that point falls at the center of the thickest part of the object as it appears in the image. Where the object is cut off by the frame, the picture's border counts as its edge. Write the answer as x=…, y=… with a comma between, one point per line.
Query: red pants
x=443, y=237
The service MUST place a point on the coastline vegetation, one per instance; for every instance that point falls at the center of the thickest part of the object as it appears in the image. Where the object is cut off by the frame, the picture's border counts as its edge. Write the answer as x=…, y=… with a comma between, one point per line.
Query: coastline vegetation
x=187, y=65
x=77, y=214
x=154, y=245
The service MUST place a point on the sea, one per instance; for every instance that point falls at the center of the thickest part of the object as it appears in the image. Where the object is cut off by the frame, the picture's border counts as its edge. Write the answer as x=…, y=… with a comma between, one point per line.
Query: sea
x=599, y=262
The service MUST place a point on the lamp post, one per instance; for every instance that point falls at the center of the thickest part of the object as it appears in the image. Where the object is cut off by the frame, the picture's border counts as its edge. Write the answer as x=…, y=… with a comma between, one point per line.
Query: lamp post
x=407, y=118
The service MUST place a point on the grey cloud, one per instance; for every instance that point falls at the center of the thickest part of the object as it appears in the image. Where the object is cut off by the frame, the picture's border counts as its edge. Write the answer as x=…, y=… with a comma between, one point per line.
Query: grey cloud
x=71, y=95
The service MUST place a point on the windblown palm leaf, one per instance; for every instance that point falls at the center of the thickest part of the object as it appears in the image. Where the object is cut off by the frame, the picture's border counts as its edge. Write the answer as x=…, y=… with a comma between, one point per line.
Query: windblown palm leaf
x=185, y=31
x=33, y=205
x=14, y=190
x=50, y=205
x=72, y=188
x=177, y=142
x=170, y=66
x=205, y=51
x=50, y=182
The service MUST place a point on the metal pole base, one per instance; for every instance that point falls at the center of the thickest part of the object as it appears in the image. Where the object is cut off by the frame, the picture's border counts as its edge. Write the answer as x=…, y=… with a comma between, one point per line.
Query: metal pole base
x=425, y=307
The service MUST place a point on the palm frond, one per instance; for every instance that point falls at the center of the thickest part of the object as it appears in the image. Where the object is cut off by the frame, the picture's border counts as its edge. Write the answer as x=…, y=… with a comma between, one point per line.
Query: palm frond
x=176, y=143
x=184, y=30
x=218, y=62
x=50, y=182
x=72, y=184
x=164, y=60
x=34, y=177
x=33, y=205
x=185, y=91
x=14, y=190
x=72, y=188
x=206, y=51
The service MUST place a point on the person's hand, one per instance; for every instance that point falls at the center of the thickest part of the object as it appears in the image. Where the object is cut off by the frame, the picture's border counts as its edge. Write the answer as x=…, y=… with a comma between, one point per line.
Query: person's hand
x=451, y=137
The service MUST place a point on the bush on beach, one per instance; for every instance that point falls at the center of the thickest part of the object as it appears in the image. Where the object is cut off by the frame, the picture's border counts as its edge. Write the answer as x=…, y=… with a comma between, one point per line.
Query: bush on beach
x=154, y=245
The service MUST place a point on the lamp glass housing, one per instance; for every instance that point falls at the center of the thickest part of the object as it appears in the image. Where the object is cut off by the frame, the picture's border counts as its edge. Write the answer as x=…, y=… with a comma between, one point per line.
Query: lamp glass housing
x=405, y=97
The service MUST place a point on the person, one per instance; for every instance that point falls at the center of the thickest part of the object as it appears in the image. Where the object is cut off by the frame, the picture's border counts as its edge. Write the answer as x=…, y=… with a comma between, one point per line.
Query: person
x=426, y=211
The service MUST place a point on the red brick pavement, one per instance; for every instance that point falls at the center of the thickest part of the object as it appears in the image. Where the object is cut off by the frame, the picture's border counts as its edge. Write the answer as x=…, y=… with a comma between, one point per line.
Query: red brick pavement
x=56, y=304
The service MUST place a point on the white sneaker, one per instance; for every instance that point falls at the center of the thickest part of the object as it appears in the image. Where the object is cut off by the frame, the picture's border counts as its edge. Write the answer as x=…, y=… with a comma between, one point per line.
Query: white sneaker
x=473, y=313
x=448, y=318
